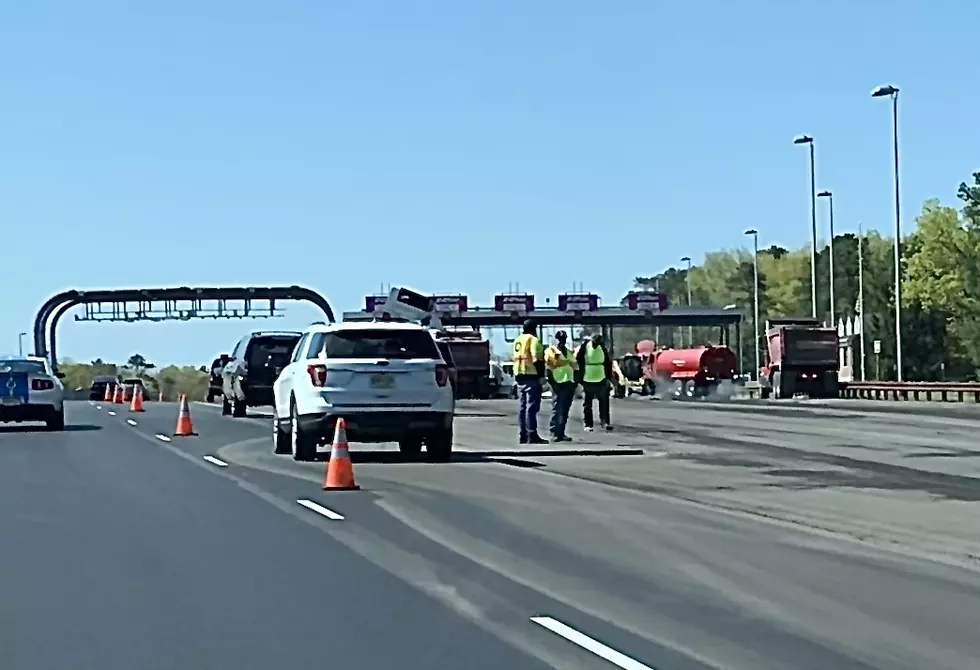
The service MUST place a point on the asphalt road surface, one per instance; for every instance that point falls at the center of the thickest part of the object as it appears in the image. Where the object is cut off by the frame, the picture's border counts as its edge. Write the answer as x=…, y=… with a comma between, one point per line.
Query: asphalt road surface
x=696, y=535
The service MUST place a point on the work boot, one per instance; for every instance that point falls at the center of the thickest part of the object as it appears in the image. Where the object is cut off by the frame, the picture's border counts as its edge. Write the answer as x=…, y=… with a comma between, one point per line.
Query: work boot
x=563, y=438
x=608, y=427
x=589, y=429
x=537, y=439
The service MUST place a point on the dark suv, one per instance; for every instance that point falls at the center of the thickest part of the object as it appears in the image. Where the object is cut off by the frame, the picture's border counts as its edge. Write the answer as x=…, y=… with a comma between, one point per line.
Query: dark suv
x=257, y=360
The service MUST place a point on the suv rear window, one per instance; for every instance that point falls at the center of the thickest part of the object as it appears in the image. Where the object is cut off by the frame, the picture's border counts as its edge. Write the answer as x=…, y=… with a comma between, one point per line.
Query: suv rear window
x=381, y=343
x=274, y=351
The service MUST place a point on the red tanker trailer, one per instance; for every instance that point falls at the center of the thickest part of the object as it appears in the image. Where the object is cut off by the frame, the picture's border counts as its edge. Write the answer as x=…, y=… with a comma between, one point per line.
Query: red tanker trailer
x=691, y=372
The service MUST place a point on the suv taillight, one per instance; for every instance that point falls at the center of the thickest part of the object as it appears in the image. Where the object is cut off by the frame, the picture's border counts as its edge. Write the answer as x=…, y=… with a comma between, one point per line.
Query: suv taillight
x=442, y=374
x=41, y=384
x=318, y=374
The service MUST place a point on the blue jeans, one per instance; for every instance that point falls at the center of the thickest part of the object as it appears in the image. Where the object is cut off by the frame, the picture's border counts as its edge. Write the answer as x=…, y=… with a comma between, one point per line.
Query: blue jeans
x=562, y=396
x=529, y=404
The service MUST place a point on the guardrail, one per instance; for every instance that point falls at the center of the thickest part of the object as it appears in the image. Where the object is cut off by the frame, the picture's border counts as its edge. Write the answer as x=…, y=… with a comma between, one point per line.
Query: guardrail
x=927, y=391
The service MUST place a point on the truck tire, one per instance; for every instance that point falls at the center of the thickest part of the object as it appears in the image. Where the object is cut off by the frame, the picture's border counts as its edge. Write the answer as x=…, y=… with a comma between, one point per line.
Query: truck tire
x=776, y=381
x=410, y=447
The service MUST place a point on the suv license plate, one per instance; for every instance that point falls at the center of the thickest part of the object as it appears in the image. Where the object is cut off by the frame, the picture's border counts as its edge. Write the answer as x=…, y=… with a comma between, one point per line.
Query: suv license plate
x=382, y=381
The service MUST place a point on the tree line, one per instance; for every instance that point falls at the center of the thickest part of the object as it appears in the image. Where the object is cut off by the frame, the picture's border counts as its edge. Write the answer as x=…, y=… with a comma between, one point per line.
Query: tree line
x=171, y=380
x=940, y=278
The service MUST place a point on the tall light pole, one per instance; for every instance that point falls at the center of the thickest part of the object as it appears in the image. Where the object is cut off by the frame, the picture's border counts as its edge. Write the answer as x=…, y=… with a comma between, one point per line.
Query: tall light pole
x=20, y=342
x=687, y=278
x=830, y=197
x=806, y=139
x=892, y=92
x=755, y=297
x=861, y=299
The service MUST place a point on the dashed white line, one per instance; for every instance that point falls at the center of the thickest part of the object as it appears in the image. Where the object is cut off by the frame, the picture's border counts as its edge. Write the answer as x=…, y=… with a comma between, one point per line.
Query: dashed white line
x=130, y=422
x=581, y=639
x=162, y=437
x=112, y=413
x=216, y=461
x=98, y=407
x=320, y=509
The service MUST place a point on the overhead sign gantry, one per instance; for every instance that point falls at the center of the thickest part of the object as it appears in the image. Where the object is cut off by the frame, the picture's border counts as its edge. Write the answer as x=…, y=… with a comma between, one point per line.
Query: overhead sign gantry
x=165, y=304
x=637, y=308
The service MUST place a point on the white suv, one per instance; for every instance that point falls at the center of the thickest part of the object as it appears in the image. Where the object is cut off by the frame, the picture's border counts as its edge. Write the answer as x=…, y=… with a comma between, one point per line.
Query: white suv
x=386, y=379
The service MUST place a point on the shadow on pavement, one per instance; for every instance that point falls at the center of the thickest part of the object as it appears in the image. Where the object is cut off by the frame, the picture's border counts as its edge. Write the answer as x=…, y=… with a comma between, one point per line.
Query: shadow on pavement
x=514, y=457
x=39, y=428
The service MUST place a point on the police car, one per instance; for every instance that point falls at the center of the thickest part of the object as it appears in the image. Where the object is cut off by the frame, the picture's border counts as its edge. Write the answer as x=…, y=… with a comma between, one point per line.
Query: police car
x=31, y=391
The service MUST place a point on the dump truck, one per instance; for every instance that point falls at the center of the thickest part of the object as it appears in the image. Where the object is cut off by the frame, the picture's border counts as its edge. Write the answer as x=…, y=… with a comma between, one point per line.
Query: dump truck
x=801, y=357
x=471, y=353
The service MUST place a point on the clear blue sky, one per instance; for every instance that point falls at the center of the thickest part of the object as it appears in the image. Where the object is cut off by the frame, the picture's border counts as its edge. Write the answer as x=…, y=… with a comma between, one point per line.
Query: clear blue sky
x=339, y=145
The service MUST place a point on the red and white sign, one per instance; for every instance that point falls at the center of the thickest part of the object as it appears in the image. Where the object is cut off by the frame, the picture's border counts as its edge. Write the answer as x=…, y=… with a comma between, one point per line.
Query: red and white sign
x=578, y=302
x=519, y=304
x=452, y=304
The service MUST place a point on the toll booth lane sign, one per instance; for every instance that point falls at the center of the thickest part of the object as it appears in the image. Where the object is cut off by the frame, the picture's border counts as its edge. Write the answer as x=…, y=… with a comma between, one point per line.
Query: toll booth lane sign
x=372, y=302
x=452, y=303
x=575, y=302
x=520, y=304
x=645, y=301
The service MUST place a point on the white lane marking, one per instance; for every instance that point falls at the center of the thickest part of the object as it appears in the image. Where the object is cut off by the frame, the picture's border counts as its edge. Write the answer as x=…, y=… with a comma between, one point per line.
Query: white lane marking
x=130, y=422
x=162, y=437
x=98, y=407
x=216, y=461
x=112, y=413
x=320, y=509
x=581, y=639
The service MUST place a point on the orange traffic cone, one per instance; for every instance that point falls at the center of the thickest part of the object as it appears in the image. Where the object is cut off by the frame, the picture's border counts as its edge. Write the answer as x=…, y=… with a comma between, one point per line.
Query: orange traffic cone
x=136, y=405
x=184, y=426
x=108, y=394
x=340, y=470
x=118, y=397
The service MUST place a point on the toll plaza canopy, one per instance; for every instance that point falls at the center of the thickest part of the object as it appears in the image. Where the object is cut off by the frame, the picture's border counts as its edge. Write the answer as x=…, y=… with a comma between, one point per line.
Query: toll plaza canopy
x=636, y=308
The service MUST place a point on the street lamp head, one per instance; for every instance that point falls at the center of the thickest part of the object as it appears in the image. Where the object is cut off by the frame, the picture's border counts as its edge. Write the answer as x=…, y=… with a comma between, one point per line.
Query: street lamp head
x=825, y=194
x=751, y=231
x=803, y=139
x=884, y=91
x=686, y=259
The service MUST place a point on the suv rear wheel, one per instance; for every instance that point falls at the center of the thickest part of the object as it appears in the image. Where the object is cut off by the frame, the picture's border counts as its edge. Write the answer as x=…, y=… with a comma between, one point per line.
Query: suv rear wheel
x=302, y=443
x=281, y=440
x=439, y=445
x=410, y=446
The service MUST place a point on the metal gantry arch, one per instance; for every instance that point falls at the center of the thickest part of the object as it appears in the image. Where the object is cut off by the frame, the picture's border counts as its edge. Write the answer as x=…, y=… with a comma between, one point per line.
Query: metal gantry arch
x=46, y=321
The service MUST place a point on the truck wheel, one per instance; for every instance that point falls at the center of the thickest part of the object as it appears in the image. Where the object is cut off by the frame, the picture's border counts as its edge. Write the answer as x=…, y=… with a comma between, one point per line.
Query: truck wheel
x=777, y=385
x=439, y=445
x=239, y=409
x=225, y=407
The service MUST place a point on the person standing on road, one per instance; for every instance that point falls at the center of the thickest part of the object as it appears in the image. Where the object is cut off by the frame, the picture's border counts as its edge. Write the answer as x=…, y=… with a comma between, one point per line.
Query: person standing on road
x=596, y=373
x=560, y=361
x=528, y=359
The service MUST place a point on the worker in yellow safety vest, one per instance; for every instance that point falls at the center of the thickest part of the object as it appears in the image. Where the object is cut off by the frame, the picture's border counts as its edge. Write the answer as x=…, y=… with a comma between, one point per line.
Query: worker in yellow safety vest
x=595, y=374
x=561, y=365
x=528, y=357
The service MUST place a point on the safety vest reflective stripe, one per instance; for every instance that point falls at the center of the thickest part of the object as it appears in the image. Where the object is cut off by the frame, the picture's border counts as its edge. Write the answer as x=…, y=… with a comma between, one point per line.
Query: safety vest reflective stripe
x=560, y=365
x=595, y=364
x=527, y=350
